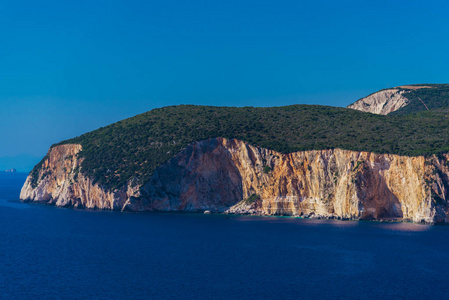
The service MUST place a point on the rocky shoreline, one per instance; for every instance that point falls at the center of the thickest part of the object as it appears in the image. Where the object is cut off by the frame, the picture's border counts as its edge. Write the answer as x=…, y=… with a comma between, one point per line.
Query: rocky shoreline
x=232, y=176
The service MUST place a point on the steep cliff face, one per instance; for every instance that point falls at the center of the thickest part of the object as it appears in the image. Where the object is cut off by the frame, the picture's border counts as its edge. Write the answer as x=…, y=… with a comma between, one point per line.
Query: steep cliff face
x=383, y=102
x=61, y=183
x=234, y=177
x=341, y=183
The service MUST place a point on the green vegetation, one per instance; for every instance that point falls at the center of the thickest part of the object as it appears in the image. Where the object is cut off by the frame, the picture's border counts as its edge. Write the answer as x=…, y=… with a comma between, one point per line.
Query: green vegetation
x=34, y=174
x=434, y=98
x=76, y=173
x=252, y=199
x=135, y=147
x=266, y=169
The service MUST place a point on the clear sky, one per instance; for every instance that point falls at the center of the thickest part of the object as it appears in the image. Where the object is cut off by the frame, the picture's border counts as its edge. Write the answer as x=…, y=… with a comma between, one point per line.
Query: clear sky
x=68, y=67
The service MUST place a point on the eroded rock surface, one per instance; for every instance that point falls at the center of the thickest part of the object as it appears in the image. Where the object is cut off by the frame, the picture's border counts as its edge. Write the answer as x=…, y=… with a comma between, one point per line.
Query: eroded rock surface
x=383, y=102
x=232, y=176
x=62, y=183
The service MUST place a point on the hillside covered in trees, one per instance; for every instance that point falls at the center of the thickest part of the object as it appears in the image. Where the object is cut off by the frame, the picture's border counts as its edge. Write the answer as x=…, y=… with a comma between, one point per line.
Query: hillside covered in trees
x=135, y=147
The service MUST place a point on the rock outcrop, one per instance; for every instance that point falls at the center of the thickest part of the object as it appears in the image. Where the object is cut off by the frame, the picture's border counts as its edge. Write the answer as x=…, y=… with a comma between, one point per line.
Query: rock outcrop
x=387, y=101
x=61, y=183
x=231, y=176
x=383, y=102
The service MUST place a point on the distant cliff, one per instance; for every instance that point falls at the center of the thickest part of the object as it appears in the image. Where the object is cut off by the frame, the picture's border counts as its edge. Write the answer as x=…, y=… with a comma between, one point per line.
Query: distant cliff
x=383, y=102
x=233, y=176
x=405, y=99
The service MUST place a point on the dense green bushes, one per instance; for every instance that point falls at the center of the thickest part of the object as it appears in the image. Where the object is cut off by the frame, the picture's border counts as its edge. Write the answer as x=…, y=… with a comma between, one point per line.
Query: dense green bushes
x=135, y=147
x=435, y=97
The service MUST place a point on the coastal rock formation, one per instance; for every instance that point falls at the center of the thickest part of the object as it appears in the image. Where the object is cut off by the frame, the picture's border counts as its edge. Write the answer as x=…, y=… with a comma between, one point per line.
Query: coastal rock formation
x=61, y=183
x=231, y=176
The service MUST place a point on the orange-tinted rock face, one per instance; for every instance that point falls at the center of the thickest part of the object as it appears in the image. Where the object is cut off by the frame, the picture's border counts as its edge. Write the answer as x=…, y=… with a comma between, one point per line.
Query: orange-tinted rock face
x=61, y=183
x=232, y=176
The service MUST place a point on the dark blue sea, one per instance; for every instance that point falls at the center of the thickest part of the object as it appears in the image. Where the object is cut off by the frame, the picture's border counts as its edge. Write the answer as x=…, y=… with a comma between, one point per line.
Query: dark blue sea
x=53, y=253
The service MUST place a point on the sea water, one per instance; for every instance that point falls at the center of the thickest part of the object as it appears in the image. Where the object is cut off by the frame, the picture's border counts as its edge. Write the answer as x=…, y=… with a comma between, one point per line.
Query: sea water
x=48, y=252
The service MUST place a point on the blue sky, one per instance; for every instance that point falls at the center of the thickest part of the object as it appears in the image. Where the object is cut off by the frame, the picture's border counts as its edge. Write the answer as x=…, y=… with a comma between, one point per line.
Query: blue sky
x=68, y=67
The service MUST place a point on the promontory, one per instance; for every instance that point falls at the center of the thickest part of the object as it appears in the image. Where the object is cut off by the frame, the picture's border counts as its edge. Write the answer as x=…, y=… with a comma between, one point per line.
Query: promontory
x=385, y=157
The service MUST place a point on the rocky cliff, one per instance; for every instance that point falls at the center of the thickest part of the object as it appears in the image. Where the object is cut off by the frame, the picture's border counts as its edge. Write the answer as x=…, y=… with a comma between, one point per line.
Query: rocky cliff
x=232, y=176
x=61, y=183
x=383, y=102
x=387, y=101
